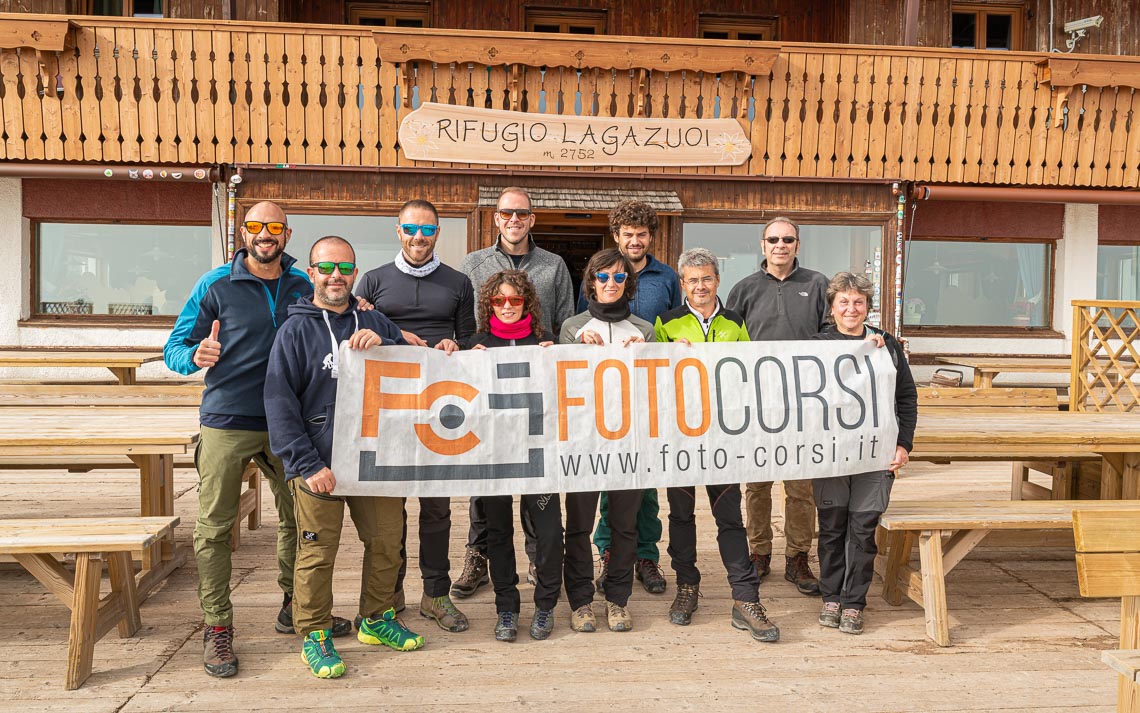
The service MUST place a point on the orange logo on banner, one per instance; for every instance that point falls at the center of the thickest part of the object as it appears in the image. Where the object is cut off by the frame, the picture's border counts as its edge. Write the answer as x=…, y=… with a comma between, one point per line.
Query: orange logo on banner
x=375, y=400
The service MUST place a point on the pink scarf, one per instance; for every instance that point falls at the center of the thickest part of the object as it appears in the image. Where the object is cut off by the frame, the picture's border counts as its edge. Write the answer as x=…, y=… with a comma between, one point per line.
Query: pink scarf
x=517, y=330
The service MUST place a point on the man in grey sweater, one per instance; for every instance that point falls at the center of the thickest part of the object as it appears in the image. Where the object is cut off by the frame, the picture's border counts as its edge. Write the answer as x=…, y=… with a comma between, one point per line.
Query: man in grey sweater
x=514, y=249
x=782, y=301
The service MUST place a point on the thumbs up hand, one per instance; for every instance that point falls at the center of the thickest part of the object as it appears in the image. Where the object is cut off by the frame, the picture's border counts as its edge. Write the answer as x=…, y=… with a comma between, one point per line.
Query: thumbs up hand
x=209, y=349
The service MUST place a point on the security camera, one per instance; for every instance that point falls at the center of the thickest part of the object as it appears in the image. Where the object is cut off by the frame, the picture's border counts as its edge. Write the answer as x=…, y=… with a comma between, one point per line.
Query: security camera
x=1084, y=24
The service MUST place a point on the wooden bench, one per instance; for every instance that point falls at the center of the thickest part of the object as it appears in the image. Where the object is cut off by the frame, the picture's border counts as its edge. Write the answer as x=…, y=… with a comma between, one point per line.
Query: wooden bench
x=100, y=394
x=1108, y=565
x=966, y=400
x=964, y=525
x=34, y=544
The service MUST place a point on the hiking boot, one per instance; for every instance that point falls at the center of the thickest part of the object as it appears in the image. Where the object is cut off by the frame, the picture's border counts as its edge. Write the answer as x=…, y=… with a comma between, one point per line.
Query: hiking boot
x=542, y=624
x=444, y=612
x=218, y=657
x=507, y=627
x=751, y=617
x=532, y=575
x=389, y=631
x=649, y=574
x=829, y=615
x=763, y=564
x=319, y=654
x=798, y=572
x=284, y=624
x=852, y=621
x=398, y=605
x=618, y=617
x=684, y=604
x=582, y=619
x=474, y=574
x=600, y=585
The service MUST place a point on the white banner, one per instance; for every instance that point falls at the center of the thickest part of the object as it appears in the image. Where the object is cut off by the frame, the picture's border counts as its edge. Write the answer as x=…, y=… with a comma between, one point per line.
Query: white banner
x=415, y=422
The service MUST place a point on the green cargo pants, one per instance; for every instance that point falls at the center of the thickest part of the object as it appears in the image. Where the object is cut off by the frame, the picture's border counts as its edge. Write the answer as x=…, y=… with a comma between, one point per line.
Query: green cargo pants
x=221, y=459
x=379, y=524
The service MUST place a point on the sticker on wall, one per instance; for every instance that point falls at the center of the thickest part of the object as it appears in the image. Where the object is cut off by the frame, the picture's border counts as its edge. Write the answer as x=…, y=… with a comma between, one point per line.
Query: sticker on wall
x=108, y=173
x=147, y=174
x=133, y=173
x=176, y=175
x=200, y=173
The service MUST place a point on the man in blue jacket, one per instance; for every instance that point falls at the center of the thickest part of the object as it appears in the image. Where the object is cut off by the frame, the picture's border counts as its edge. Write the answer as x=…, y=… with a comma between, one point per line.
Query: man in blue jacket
x=634, y=224
x=300, y=403
x=227, y=327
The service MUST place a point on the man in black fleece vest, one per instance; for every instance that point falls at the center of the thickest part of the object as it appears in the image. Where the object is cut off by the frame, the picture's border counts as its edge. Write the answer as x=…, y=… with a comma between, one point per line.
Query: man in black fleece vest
x=434, y=305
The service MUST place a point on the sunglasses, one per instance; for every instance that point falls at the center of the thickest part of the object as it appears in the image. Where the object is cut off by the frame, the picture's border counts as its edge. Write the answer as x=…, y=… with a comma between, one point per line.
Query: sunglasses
x=326, y=268
x=619, y=277
x=512, y=300
x=254, y=227
x=788, y=239
x=411, y=229
x=506, y=213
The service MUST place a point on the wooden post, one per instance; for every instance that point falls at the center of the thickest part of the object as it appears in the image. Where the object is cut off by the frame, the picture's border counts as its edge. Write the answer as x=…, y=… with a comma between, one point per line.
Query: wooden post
x=934, y=586
x=84, y=618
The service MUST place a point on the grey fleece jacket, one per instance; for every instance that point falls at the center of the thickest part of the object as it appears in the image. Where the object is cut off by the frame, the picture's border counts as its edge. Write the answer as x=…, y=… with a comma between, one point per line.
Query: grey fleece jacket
x=777, y=310
x=546, y=270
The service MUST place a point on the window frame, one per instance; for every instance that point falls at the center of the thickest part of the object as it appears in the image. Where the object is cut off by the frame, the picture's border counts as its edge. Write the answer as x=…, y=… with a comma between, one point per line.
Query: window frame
x=388, y=11
x=87, y=7
x=1047, y=331
x=1114, y=243
x=32, y=291
x=981, y=12
x=566, y=17
x=733, y=25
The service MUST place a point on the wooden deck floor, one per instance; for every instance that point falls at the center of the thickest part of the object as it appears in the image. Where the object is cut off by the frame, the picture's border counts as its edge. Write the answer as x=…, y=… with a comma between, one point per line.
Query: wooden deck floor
x=1024, y=638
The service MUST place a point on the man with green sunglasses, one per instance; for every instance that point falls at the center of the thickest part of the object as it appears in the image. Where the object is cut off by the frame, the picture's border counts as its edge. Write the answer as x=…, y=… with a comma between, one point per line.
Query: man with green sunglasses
x=300, y=402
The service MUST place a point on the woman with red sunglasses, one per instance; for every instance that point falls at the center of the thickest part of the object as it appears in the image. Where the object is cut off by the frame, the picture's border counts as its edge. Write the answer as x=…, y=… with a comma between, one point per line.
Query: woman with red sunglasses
x=508, y=315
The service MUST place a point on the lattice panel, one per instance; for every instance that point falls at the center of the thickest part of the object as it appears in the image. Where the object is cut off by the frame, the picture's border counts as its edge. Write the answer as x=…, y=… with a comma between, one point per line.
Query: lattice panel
x=1105, y=357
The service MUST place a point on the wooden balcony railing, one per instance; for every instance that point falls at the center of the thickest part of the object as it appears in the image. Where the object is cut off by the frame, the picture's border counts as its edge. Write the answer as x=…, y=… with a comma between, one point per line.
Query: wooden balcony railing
x=169, y=91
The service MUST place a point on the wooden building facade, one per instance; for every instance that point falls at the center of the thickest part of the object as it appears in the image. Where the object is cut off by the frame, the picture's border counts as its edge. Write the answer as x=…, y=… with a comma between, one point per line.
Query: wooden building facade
x=851, y=109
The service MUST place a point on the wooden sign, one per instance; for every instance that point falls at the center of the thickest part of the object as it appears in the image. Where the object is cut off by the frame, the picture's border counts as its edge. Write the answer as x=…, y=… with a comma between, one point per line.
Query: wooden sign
x=442, y=132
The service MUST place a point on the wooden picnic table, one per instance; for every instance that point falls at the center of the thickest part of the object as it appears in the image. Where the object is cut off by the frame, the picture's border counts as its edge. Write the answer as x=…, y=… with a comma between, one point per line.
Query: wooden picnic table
x=986, y=368
x=149, y=436
x=1038, y=435
x=123, y=364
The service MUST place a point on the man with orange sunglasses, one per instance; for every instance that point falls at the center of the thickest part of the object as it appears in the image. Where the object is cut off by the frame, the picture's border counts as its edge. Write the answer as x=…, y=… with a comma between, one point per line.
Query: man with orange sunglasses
x=227, y=327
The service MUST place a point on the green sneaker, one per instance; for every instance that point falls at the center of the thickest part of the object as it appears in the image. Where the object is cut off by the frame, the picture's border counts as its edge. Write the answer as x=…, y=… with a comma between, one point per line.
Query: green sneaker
x=388, y=630
x=320, y=655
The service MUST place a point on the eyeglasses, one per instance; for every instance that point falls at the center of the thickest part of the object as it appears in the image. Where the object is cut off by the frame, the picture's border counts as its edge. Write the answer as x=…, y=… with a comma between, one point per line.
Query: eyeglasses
x=512, y=300
x=707, y=280
x=254, y=227
x=603, y=277
x=326, y=268
x=522, y=213
x=787, y=239
x=411, y=229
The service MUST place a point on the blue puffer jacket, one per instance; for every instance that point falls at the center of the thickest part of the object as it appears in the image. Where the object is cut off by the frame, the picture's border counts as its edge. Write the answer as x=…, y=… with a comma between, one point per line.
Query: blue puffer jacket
x=250, y=315
x=300, y=391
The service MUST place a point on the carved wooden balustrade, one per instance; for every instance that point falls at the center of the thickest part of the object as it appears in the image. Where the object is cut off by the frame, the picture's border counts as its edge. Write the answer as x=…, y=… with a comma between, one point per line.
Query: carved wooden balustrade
x=170, y=91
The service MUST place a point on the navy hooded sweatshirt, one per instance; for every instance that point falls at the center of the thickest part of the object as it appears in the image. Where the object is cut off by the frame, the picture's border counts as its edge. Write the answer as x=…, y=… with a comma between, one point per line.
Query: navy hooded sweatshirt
x=300, y=391
x=250, y=310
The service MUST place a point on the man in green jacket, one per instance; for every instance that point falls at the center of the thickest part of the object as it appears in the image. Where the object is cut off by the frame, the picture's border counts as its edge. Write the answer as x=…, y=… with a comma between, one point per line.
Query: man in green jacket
x=702, y=318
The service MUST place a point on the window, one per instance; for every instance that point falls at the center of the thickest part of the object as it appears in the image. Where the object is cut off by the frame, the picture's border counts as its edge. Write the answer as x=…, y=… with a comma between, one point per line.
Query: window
x=373, y=237
x=566, y=21
x=825, y=248
x=1118, y=272
x=978, y=284
x=120, y=8
x=987, y=26
x=388, y=14
x=718, y=27
x=116, y=269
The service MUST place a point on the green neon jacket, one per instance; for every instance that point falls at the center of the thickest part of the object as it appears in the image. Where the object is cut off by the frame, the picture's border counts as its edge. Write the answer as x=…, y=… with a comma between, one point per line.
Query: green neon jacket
x=682, y=323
